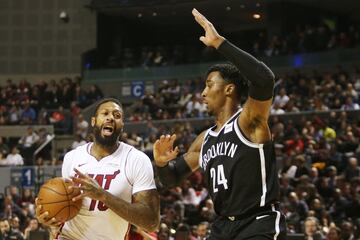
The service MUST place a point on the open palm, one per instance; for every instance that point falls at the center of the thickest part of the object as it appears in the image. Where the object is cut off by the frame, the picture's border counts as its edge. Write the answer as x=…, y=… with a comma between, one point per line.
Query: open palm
x=164, y=150
x=211, y=38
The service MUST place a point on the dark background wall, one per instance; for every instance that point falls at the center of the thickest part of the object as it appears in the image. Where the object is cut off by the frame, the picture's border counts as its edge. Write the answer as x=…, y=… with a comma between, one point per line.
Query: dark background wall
x=33, y=39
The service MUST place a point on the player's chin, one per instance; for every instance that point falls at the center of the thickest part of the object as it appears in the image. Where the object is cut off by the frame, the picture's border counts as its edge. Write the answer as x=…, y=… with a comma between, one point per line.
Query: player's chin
x=210, y=111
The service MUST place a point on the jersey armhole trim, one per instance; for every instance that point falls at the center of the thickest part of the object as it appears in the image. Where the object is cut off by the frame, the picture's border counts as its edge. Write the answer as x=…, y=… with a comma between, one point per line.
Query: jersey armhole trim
x=125, y=168
x=242, y=137
x=202, y=146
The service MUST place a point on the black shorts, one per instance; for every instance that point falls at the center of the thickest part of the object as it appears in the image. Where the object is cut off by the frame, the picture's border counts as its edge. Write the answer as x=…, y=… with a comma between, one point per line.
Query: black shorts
x=269, y=224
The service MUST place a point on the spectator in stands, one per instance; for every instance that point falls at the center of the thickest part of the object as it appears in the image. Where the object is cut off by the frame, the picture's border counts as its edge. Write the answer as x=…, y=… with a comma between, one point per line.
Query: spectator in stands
x=81, y=126
x=334, y=233
x=28, y=115
x=318, y=105
x=2, y=160
x=8, y=233
x=183, y=232
x=298, y=206
x=35, y=232
x=188, y=194
x=164, y=232
x=352, y=170
x=78, y=141
x=14, y=158
x=4, y=148
x=15, y=224
x=58, y=119
x=3, y=115
x=338, y=206
x=94, y=94
x=27, y=197
x=14, y=195
x=74, y=109
x=276, y=109
x=14, y=115
x=282, y=98
x=202, y=230
x=3, y=226
x=350, y=104
x=312, y=231
x=347, y=231
x=28, y=144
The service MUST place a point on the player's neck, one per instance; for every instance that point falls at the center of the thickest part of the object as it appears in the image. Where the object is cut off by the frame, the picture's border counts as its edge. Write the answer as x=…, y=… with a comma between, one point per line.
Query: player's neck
x=99, y=151
x=225, y=113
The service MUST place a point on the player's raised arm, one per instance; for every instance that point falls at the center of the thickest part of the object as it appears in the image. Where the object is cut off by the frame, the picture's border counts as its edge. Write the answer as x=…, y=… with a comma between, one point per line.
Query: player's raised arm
x=259, y=76
x=171, y=169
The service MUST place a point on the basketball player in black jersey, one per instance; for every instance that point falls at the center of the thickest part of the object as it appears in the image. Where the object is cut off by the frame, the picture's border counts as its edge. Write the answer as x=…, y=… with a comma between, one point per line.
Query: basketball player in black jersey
x=237, y=154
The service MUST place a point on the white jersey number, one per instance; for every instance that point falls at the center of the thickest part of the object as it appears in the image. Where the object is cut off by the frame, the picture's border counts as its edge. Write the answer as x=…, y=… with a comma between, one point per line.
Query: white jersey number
x=218, y=177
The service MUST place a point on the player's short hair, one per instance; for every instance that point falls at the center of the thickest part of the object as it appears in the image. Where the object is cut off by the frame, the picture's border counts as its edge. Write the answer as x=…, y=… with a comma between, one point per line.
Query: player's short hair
x=231, y=74
x=105, y=100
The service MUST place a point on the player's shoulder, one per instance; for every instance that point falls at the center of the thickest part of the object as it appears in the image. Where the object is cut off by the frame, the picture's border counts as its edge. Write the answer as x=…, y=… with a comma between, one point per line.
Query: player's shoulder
x=80, y=150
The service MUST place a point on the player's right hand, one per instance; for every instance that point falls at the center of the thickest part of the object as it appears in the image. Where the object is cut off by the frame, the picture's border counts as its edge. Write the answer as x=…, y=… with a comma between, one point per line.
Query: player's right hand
x=43, y=217
x=164, y=151
x=211, y=37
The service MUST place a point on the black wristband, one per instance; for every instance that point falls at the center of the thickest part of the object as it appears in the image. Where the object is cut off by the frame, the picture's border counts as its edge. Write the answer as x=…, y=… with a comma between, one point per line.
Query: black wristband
x=174, y=172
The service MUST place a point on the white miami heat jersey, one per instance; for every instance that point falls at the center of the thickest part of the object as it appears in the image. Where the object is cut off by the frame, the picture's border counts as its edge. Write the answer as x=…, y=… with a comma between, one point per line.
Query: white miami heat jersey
x=123, y=173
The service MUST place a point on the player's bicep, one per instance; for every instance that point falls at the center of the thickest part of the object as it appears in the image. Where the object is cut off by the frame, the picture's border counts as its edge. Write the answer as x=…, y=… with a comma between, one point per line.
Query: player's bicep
x=192, y=155
x=253, y=120
x=255, y=111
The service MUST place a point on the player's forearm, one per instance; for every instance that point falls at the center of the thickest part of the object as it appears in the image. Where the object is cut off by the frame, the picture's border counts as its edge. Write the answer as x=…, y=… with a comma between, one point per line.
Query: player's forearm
x=139, y=213
x=172, y=174
x=260, y=77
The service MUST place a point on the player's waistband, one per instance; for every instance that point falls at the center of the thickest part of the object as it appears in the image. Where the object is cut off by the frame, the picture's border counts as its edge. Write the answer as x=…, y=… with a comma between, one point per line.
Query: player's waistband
x=254, y=212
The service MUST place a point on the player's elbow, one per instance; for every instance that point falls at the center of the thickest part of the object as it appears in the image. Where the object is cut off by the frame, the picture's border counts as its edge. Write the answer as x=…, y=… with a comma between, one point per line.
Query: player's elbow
x=153, y=225
x=265, y=72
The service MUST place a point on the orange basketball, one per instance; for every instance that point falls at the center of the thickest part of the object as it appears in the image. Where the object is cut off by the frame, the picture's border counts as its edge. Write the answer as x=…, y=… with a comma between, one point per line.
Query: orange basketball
x=55, y=197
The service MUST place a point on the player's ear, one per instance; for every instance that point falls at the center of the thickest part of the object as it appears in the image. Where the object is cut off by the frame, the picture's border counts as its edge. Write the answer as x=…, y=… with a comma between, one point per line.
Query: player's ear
x=229, y=89
x=92, y=121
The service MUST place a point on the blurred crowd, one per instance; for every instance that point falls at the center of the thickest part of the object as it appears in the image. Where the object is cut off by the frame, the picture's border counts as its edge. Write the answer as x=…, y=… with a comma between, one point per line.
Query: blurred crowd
x=302, y=39
x=306, y=39
x=295, y=91
x=318, y=154
x=61, y=102
x=319, y=174
x=45, y=102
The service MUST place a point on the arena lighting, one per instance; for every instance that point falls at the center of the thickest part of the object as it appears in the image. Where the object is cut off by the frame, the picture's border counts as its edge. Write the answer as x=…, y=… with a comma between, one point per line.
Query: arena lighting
x=256, y=16
x=64, y=16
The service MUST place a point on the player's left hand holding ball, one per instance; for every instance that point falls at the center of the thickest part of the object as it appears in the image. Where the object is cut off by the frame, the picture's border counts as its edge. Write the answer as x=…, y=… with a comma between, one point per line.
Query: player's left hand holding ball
x=43, y=218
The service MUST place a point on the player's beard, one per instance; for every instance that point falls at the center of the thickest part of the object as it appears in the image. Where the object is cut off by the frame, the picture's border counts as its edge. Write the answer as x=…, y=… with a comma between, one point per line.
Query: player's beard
x=106, y=141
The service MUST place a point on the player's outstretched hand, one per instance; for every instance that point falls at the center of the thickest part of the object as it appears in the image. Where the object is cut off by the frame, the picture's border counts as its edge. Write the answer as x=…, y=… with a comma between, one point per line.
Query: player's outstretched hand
x=43, y=217
x=164, y=150
x=88, y=186
x=211, y=38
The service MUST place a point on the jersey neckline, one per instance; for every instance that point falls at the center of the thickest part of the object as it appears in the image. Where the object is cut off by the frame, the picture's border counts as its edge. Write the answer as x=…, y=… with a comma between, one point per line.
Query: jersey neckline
x=90, y=144
x=215, y=134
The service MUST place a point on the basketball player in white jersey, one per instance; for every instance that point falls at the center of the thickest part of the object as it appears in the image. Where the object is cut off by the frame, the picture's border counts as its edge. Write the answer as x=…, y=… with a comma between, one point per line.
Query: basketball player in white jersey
x=116, y=180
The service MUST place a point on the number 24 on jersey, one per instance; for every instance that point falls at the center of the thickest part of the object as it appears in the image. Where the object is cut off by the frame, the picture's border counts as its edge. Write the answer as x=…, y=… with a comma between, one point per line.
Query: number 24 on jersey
x=218, y=177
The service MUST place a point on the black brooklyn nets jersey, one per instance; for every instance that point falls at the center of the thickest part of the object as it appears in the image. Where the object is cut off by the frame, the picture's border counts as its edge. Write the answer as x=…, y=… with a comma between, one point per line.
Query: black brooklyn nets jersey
x=241, y=175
